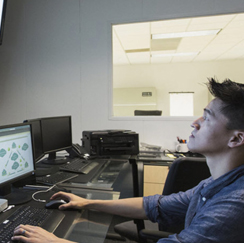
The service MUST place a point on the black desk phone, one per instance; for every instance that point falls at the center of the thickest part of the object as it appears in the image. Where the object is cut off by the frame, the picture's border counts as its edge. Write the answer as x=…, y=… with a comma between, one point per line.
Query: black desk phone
x=76, y=151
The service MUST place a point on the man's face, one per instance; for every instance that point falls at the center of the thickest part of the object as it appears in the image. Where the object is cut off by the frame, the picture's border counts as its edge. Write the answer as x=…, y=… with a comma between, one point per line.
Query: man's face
x=210, y=135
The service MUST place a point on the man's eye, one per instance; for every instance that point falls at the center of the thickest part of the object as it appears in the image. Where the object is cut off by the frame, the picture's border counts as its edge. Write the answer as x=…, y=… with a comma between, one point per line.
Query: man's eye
x=206, y=118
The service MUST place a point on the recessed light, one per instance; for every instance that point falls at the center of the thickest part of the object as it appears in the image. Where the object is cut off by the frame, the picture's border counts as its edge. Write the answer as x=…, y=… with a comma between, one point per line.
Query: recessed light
x=177, y=54
x=185, y=34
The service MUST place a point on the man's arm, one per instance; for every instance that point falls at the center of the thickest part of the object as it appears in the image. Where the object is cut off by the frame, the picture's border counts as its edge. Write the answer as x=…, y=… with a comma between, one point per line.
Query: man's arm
x=129, y=207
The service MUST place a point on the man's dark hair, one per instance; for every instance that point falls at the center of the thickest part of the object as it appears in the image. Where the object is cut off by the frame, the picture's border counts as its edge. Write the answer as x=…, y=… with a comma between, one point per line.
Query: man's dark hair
x=232, y=96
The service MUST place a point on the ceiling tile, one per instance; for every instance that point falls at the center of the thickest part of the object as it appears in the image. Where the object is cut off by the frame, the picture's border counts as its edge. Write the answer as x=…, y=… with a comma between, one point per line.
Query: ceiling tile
x=226, y=45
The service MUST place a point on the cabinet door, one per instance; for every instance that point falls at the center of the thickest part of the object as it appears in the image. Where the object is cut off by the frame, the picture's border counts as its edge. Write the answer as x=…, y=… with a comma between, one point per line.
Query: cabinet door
x=154, y=179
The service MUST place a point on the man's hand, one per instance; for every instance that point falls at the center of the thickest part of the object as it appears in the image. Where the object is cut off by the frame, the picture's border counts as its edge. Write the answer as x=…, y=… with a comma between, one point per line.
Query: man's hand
x=34, y=234
x=72, y=200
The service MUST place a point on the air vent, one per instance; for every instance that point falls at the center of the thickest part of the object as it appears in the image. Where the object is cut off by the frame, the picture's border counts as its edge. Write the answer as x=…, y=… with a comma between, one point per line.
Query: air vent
x=146, y=94
x=165, y=44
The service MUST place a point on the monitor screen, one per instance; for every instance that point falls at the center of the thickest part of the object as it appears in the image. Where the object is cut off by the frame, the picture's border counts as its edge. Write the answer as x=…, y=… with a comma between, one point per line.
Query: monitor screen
x=16, y=158
x=3, y=6
x=37, y=137
x=56, y=136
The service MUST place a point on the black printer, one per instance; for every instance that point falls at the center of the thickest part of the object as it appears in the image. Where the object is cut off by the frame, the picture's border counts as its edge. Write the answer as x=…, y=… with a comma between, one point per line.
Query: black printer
x=110, y=142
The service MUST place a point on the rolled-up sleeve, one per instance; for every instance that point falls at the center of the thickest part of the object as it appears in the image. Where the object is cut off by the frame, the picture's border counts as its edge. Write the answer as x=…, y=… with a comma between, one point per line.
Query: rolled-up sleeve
x=150, y=204
x=167, y=210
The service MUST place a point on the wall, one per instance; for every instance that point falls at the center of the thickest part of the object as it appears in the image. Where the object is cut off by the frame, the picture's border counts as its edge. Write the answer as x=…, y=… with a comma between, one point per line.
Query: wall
x=56, y=60
x=40, y=61
x=180, y=77
x=127, y=100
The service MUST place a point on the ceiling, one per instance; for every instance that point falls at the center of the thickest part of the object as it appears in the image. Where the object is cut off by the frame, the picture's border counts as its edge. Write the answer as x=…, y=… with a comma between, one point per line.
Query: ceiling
x=132, y=43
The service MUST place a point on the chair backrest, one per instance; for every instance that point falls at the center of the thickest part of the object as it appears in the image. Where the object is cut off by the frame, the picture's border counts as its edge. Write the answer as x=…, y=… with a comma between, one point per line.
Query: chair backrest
x=185, y=173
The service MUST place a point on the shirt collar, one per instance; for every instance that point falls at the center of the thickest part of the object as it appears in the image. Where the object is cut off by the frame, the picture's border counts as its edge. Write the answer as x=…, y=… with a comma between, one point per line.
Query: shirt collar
x=211, y=187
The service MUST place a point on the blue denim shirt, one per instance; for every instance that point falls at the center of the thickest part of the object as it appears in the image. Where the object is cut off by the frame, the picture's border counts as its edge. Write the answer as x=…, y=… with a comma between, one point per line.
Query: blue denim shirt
x=213, y=211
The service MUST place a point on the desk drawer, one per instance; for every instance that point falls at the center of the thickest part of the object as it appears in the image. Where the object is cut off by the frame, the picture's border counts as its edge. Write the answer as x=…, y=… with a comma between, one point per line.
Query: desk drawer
x=152, y=189
x=154, y=179
x=155, y=174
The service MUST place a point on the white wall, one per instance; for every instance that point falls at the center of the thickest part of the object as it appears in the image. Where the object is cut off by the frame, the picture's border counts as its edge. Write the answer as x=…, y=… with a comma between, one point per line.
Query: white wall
x=176, y=77
x=127, y=100
x=56, y=60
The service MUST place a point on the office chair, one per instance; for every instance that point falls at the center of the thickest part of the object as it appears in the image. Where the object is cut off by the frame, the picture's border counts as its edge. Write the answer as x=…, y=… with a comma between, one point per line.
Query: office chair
x=184, y=173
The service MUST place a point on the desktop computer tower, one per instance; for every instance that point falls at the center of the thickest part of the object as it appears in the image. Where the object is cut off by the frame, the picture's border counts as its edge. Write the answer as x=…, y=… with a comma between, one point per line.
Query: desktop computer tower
x=110, y=142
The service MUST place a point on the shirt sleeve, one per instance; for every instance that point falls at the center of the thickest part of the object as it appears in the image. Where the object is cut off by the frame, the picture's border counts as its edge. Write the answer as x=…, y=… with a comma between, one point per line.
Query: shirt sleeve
x=167, y=210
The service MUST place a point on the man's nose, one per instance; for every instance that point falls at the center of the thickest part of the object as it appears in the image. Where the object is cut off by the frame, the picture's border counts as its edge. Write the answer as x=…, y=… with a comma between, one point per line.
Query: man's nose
x=196, y=123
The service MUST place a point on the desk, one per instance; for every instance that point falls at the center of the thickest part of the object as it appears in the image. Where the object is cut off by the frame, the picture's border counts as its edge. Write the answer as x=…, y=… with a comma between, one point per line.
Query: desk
x=113, y=176
x=154, y=157
x=90, y=226
x=155, y=171
x=116, y=183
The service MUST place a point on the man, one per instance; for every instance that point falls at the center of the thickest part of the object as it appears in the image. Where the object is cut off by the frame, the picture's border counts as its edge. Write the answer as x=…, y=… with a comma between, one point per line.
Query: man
x=213, y=211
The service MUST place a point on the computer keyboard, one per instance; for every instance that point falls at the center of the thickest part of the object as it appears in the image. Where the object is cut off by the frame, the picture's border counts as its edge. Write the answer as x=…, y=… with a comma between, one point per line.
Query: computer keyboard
x=78, y=165
x=58, y=177
x=45, y=218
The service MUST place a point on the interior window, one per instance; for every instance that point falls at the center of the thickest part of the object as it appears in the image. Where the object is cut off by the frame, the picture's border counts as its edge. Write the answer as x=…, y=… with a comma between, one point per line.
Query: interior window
x=181, y=104
x=175, y=55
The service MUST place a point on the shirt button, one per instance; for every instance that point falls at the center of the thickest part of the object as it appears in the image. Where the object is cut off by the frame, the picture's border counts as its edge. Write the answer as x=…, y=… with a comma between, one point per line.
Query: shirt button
x=204, y=199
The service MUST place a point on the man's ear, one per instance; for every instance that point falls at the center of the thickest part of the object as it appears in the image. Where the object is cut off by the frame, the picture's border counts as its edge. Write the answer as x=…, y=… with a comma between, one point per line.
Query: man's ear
x=237, y=139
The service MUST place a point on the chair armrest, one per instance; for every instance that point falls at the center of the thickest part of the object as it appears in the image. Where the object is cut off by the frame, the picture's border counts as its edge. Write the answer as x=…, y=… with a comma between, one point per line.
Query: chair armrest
x=154, y=234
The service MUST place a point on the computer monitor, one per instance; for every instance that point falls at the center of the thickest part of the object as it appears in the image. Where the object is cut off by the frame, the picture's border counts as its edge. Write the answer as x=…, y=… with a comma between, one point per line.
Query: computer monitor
x=56, y=136
x=16, y=161
x=3, y=6
x=37, y=137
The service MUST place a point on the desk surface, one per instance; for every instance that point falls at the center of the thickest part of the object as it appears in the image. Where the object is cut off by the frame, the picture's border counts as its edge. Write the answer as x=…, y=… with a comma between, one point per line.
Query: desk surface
x=116, y=175
x=157, y=157
x=160, y=157
x=113, y=181
x=91, y=226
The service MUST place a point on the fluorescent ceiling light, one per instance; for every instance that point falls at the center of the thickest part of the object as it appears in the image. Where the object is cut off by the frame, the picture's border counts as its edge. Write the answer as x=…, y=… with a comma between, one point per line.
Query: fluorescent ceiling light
x=179, y=54
x=185, y=34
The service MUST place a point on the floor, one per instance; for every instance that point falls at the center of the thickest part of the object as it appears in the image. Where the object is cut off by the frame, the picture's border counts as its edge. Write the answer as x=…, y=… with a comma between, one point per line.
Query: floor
x=113, y=237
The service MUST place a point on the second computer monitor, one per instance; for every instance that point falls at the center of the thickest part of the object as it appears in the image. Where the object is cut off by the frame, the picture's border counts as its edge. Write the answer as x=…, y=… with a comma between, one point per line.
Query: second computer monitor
x=37, y=137
x=56, y=136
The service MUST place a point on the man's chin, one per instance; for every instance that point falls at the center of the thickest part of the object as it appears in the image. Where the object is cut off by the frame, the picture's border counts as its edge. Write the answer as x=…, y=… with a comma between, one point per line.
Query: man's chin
x=191, y=148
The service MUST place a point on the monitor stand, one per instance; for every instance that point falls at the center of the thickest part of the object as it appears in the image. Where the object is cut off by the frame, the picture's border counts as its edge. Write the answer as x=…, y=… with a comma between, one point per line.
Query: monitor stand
x=42, y=171
x=55, y=160
x=14, y=195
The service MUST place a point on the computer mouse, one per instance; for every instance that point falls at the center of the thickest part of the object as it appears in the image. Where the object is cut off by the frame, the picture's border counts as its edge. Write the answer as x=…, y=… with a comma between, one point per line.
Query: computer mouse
x=55, y=203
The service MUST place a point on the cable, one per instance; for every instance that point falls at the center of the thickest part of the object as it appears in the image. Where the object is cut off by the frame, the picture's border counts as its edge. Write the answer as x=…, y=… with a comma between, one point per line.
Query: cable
x=40, y=200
